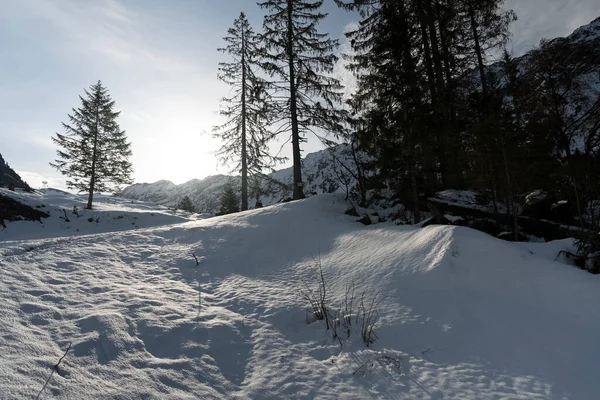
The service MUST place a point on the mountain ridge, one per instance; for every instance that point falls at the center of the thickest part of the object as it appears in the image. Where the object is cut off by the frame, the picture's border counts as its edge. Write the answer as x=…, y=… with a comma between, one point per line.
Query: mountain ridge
x=9, y=176
x=321, y=175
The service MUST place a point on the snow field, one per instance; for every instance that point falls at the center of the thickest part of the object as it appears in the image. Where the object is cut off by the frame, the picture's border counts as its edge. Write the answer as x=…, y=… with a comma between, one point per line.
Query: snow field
x=109, y=214
x=463, y=315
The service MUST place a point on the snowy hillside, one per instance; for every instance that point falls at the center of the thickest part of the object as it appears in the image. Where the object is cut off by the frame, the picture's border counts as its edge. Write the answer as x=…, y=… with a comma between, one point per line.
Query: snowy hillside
x=67, y=216
x=462, y=315
x=321, y=175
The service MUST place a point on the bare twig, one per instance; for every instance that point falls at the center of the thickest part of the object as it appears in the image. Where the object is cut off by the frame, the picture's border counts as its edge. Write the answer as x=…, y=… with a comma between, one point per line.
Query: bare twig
x=429, y=350
x=348, y=309
x=363, y=367
x=318, y=300
x=64, y=355
x=368, y=318
x=54, y=369
x=66, y=218
x=196, y=258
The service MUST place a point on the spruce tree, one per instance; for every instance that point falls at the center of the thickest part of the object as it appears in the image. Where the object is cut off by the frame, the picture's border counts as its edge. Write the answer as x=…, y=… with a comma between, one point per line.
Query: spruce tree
x=230, y=203
x=244, y=133
x=94, y=151
x=186, y=204
x=391, y=123
x=300, y=59
x=418, y=102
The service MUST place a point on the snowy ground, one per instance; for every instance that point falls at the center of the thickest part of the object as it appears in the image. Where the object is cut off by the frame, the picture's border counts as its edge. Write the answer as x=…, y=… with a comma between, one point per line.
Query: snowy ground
x=463, y=315
x=109, y=214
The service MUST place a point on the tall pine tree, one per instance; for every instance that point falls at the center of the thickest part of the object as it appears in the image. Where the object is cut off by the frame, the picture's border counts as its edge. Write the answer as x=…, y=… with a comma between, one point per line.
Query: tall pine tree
x=244, y=133
x=94, y=151
x=300, y=59
x=388, y=102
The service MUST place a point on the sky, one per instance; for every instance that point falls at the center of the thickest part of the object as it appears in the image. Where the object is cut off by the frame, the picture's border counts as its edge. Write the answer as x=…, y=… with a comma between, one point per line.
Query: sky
x=159, y=60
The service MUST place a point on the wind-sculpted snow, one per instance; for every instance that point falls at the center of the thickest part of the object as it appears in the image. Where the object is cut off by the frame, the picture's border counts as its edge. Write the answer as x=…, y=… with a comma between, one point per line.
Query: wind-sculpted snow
x=463, y=315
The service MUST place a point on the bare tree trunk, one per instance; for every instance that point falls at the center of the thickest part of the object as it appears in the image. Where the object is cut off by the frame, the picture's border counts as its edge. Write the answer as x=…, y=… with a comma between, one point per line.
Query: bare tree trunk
x=578, y=201
x=244, y=116
x=481, y=67
x=427, y=53
x=435, y=50
x=298, y=192
x=94, y=158
x=360, y=177
x=410, y=132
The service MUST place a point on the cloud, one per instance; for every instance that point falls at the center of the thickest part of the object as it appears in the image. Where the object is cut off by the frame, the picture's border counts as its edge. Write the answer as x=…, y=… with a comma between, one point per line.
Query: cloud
x=548, y=19
x=106, y=27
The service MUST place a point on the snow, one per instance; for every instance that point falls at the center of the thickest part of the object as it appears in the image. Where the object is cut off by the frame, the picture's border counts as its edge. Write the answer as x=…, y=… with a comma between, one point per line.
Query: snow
x=464, y=198
x=109, y=214
x=535, y=197
x=550, y=250
x=463, y=315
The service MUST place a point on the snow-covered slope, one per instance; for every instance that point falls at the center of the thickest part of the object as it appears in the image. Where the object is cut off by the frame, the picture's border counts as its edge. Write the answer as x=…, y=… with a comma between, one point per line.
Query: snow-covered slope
x=463, y=315
x=68, y=216
x=321, y=175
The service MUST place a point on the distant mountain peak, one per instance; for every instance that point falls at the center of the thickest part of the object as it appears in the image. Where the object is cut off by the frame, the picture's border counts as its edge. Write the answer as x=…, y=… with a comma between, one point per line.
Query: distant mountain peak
x=587, y=32
x=319, y=171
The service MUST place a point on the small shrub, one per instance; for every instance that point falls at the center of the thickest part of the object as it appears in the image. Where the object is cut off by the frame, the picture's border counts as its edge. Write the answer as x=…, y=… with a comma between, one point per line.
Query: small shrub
x=342, y=321
x=368, y=316
x=318, y=299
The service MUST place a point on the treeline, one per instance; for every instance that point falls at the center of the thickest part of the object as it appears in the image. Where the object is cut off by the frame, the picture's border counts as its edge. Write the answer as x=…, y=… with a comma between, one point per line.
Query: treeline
x=434, y=116
x=429, y=112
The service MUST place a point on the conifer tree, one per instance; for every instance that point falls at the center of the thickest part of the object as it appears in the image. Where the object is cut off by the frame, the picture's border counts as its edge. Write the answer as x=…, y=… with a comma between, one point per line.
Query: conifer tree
x=244, y=133
x=94, y=152
x=388, y=100
x=186, y=204
x=416, y=64
x=300, y=59
x=230, y=203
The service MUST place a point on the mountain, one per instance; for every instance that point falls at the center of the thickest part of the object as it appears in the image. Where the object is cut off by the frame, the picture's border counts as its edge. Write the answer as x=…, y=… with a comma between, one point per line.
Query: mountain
x=8, y=176
x=586, y=33
x=321, y=175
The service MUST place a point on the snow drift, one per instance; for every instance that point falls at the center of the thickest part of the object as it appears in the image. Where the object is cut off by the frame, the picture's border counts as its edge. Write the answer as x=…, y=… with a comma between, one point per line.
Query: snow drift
x=463, y=315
